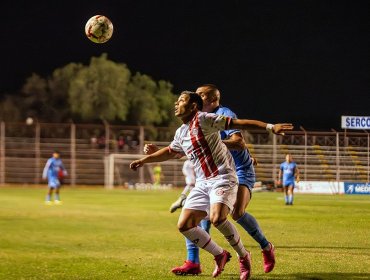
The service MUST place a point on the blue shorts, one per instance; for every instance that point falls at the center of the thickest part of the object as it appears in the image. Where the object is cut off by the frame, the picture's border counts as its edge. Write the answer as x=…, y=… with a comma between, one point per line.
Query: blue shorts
x=53, y=183
x=288, y=183
x=247, y=179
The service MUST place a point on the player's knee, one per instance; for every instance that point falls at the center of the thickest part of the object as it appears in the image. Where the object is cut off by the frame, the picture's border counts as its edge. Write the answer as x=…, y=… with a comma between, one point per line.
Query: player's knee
x=217, y=220
x=237, y=213
x=184, y=226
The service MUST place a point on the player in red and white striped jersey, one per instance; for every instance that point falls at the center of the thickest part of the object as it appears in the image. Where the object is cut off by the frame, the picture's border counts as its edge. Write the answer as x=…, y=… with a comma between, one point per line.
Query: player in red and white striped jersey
x=216, y=185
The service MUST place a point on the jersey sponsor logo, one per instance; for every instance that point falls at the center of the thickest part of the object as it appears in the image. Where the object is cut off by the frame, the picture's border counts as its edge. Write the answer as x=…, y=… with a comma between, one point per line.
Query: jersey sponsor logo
x=220, y=192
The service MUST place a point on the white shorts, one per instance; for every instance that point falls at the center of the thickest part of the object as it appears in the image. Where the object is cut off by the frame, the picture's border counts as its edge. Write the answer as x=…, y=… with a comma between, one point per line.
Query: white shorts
x=208, y=192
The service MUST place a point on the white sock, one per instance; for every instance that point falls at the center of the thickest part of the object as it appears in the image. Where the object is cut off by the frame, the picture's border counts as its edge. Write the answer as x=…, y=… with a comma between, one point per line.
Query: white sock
x=233, y=237
x=203, y=240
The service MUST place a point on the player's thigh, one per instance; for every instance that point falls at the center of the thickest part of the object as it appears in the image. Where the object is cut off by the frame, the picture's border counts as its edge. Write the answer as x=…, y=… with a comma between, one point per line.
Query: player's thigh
x=242, y=200
x=218, y=213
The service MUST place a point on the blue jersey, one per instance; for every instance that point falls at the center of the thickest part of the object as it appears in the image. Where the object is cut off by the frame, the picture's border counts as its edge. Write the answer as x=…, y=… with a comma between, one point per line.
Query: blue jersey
x=242, y=159
x=288, y=169
x=51, y=171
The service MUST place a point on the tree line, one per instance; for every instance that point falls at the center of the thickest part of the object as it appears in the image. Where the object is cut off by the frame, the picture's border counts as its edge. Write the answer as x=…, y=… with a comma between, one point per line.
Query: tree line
x=104, y=90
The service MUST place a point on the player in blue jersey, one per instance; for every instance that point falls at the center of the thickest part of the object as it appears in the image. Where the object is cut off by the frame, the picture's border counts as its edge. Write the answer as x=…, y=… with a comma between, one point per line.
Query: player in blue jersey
x=54, y=171
x=246, y=175
x=290, y=173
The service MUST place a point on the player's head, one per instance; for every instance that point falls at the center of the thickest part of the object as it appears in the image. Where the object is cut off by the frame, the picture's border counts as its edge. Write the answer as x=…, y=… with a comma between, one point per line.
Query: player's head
x=210, y=96
x=187, y=105
x=288, y=158
x=56, y=154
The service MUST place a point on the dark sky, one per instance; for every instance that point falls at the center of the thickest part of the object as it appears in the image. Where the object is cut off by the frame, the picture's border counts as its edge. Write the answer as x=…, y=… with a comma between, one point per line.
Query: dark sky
x=302, y=61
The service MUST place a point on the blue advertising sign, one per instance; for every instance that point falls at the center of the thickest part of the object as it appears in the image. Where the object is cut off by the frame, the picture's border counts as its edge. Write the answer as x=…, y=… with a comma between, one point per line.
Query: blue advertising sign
x=356, y=188
x=352, y=122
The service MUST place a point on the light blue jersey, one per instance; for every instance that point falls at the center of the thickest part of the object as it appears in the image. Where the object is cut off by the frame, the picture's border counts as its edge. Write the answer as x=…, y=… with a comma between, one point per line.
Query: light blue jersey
x=242, y=159
x=288, y=169
x=51, y=171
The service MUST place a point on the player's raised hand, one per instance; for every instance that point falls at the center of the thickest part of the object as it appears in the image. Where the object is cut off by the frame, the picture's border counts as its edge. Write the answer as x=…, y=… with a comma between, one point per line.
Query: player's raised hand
x=136, y=164
x=279, y=128
x=150, y=149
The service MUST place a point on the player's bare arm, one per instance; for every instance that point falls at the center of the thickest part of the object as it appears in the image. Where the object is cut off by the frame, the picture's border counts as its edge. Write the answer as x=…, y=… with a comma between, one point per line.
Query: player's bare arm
x=297, y=174
x=235, y=142
x=161, y=155
x=279, y=178
x=278, y=128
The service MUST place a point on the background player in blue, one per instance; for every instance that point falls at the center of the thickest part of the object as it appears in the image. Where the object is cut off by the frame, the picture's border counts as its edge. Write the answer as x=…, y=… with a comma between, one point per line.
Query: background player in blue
x=246, y=175
x=52, y=171
x=290, y=173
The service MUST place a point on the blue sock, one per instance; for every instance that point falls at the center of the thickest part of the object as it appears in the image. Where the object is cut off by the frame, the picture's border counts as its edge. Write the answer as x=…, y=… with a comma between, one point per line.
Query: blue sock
x=48, y=197
x=192, y=251
x=206, y=225
x=291, y=199
x=286, y=199
x=249, y=223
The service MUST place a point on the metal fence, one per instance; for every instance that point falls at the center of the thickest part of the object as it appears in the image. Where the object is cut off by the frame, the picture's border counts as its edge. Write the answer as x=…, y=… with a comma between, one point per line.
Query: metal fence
x=24, y=149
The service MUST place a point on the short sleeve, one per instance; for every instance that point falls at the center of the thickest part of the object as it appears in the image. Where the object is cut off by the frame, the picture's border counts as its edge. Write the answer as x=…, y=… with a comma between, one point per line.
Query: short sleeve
x=228, y=113
x=175, y=147
x=217, y=122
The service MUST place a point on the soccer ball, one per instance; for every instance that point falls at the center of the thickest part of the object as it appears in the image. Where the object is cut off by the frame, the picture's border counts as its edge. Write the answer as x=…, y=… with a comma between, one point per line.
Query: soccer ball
x=99, y=29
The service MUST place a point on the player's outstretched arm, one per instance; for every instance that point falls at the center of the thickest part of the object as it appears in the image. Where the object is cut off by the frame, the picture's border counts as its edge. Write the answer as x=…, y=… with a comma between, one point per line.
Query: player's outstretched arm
x=160, y=155
x=278, y=128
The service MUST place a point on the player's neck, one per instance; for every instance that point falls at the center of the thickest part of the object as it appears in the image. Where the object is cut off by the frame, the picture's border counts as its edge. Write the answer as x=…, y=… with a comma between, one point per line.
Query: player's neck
x=188, y=118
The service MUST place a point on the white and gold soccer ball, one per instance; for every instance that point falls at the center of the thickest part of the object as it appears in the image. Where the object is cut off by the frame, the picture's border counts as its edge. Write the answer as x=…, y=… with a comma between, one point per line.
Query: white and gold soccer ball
x=99, y=29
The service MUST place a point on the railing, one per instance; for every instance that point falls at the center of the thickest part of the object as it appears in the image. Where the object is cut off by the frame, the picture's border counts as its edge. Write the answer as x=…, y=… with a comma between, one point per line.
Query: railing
x=24, y=150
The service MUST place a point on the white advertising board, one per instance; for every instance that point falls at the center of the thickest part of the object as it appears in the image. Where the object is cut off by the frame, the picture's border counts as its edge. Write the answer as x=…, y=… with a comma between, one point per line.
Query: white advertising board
x=353, y=122
x=319, y=187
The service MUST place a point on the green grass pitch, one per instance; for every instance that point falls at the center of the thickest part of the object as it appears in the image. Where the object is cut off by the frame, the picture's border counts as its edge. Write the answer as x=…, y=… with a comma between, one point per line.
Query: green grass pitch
x=121, y=234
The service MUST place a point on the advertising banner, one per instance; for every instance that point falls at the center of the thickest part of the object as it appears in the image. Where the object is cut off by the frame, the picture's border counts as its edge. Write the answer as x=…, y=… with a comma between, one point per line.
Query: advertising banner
x=353, y=122
x=356, y=188
x=319, y=187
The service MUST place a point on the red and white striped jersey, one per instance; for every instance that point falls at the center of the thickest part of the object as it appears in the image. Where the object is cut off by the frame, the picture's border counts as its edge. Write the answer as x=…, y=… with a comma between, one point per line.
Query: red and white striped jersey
x=200, y=141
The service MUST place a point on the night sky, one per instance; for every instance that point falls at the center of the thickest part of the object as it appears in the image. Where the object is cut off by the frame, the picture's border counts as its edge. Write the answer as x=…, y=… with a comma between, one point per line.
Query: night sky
x=305, y=62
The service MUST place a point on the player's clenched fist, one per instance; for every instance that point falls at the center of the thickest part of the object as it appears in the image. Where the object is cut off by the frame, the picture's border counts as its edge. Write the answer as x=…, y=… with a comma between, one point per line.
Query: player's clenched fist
x=150, y=149
x=136, y=164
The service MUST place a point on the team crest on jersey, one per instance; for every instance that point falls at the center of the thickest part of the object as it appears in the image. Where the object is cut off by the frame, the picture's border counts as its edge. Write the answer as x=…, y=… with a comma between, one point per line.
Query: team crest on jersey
x=194, y=131
x=220, y=192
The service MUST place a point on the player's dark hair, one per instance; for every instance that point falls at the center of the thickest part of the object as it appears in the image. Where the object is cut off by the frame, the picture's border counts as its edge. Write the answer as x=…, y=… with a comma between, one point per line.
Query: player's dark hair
x=194, y=98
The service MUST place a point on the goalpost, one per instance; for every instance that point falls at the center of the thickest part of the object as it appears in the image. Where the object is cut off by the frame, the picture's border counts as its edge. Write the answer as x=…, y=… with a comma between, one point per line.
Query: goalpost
x=117, y=172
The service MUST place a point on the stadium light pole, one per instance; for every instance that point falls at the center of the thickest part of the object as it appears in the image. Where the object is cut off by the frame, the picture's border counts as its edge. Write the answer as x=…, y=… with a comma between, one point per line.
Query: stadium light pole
x=2, y=153
x=37, y=152
x=73, y=154
x=368, y=156
x=305, y=152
